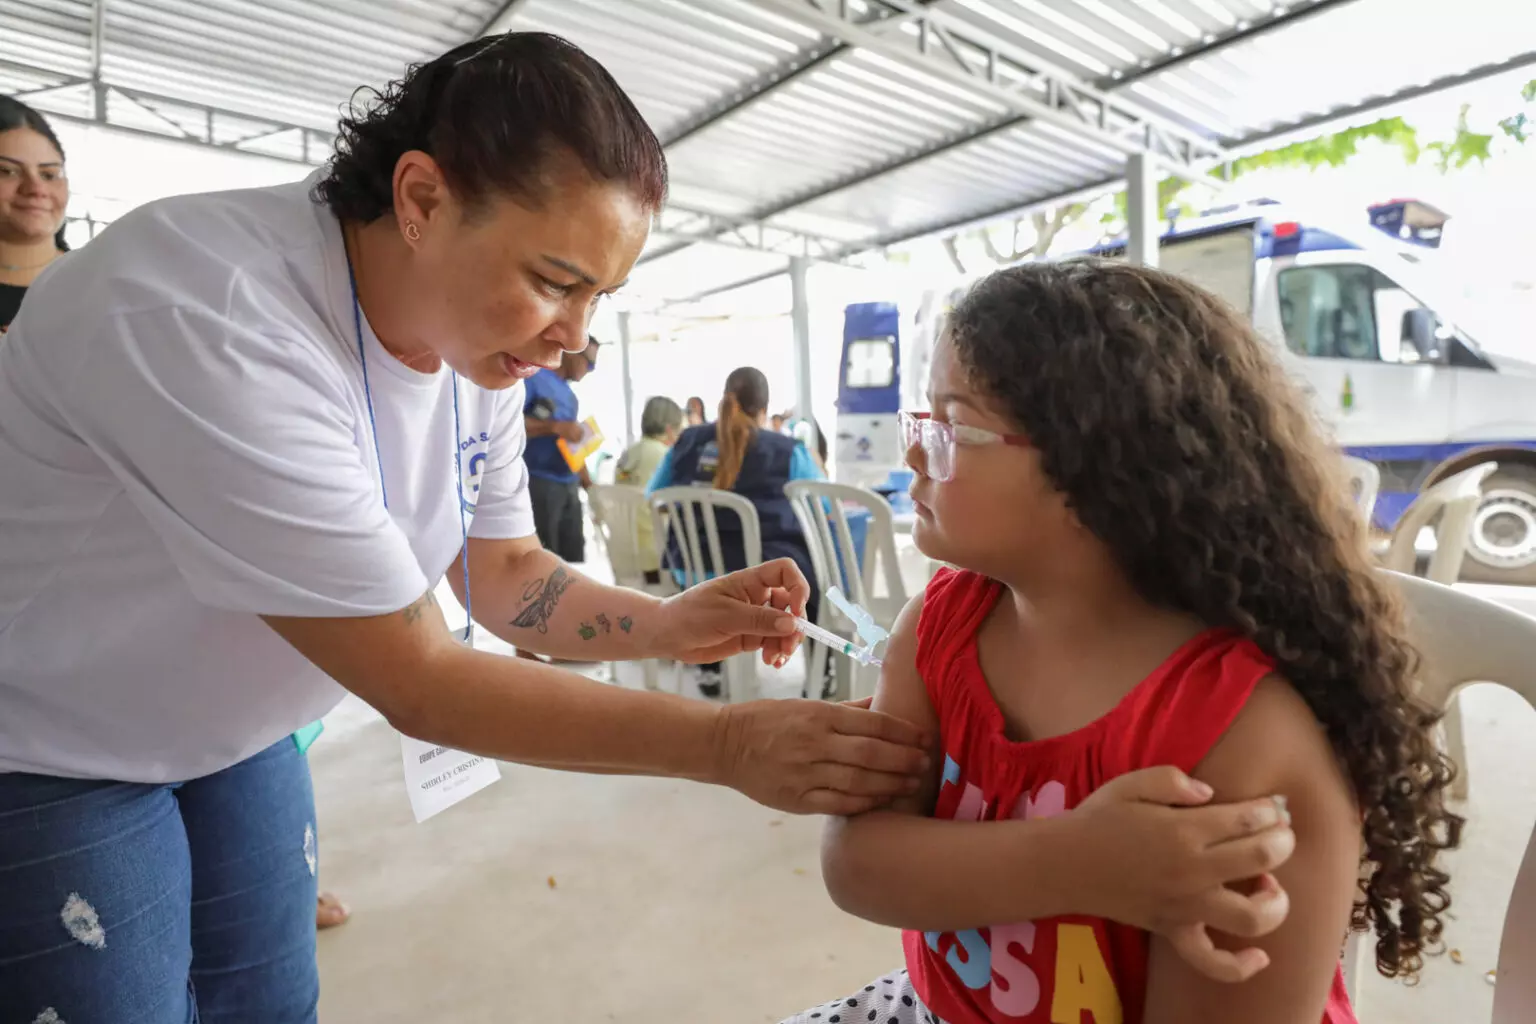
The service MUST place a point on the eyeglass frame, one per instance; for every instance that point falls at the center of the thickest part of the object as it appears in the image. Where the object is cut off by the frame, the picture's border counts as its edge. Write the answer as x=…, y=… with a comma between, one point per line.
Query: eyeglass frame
x=910, y=424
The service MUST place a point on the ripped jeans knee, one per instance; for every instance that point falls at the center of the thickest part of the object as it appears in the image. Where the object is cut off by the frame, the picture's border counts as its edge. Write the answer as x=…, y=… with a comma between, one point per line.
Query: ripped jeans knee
x=120, y=900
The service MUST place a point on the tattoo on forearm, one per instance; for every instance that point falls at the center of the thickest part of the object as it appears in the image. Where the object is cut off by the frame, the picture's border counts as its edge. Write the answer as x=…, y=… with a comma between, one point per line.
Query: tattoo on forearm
x=542, y=596
x=626, y=623
x=603, y=623
x=413, y=611
x=586, y=631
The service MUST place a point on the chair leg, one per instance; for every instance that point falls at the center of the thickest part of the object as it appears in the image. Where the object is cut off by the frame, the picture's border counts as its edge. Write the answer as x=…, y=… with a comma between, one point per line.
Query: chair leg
x=815, y=669
x=865, y=679
x=739, y=674
x=1456, y=747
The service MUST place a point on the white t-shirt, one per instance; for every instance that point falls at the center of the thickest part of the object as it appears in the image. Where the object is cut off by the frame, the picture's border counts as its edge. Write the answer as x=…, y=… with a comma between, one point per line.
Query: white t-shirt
x=185, y=445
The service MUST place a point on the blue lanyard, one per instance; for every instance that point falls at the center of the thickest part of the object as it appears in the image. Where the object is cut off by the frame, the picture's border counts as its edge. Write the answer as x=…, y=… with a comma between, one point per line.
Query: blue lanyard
x=458, y=470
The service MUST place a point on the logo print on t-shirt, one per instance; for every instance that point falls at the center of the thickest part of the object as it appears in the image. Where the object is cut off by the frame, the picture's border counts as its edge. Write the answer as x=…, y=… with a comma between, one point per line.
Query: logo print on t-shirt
x=473, y=468
x=1051, y=971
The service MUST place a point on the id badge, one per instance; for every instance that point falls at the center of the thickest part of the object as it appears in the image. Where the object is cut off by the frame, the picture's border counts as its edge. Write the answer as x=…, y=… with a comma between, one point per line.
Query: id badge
x=438, y=777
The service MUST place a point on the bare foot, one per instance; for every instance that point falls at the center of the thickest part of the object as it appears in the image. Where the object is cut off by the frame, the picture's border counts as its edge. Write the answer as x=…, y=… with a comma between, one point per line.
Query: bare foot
x=330, y=911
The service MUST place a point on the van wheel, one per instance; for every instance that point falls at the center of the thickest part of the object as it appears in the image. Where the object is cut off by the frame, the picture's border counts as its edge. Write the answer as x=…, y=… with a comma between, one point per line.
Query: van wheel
x=1502, y=544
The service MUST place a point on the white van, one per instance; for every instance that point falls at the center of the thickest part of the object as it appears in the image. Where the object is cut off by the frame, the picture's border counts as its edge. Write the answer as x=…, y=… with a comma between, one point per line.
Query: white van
x=1356, y=314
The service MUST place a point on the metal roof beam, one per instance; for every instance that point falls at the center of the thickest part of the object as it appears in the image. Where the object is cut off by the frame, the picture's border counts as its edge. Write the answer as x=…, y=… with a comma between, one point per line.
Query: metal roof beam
x=1022, y=81
x=1251, y=28
x=98, y=45
x=498, y=20
x=1263, y=140
x=764, y=85
x=1235, y=147
x=757, y=237
x=1278, y=18
x=775, y=78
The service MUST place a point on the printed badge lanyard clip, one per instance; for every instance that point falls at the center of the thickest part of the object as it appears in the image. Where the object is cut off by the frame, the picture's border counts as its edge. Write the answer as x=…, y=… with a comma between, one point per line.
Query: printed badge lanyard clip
x=458, y=471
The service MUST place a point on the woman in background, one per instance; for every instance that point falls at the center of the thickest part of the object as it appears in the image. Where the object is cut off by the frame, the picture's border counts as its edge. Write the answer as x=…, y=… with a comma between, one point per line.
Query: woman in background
x=33, y=196
x=695, y=411
x=738, y=453
x=660, y=424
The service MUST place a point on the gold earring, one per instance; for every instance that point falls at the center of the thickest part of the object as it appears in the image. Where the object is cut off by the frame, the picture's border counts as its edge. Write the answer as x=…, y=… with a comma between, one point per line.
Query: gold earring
x=412, y=231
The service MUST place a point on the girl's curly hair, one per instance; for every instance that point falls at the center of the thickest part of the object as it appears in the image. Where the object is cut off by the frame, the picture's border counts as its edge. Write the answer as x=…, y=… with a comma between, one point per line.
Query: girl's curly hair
x=1178, y=440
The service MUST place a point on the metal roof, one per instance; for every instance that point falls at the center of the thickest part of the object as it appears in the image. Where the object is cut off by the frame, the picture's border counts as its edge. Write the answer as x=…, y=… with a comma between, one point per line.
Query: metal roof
x=813, y=127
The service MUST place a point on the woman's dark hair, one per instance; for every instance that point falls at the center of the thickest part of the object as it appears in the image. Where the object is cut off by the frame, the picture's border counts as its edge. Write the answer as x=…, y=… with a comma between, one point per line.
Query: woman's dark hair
x=1180, y=443
x=746, y=397
x=493, y=113
x=16, y=114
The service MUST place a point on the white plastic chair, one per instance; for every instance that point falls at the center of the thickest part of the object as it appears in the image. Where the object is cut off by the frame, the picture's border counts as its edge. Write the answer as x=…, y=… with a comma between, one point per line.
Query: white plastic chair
x=1365, y=481
x=1451, y=505
x=1465, y=639
x=681, y=511
x=617, y=512
x=822, y=509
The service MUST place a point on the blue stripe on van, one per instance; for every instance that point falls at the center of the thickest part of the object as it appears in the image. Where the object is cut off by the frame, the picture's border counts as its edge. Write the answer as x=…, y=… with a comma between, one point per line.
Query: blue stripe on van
x=1405, y=467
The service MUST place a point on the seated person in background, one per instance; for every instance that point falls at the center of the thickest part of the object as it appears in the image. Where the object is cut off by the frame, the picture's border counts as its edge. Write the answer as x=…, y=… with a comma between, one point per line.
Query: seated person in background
x=737, y=454
x=1159, y=567
x=660, y=423
x=693, y=411
x=803, y=431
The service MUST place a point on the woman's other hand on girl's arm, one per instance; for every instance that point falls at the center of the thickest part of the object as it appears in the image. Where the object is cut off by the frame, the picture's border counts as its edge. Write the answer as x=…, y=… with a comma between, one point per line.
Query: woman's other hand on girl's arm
x=1276, y=746
x=1125, y=854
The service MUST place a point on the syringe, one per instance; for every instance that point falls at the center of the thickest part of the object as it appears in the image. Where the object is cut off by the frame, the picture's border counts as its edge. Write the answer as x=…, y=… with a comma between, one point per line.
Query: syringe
x=862, y=655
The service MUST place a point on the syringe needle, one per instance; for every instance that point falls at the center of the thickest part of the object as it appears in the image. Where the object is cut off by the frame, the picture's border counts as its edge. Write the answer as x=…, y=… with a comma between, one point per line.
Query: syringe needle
x=835, y=642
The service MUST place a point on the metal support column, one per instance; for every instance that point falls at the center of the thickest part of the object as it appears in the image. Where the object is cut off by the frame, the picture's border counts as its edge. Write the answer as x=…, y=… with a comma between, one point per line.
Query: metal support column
x=800, y=317
x=629, y=383
x=1142, y=217
x=98, y=44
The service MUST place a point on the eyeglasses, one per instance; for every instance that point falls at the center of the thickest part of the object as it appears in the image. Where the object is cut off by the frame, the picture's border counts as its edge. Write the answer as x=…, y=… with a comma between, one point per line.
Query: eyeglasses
x=937, y=439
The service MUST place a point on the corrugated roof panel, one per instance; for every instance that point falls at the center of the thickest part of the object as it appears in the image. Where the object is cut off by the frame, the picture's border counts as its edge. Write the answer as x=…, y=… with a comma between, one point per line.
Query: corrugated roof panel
x=700, y=268
x=53, y=34
x=1338, y=59
x=1011, y=166
x=674, y=58
x=956, y=149
x=832, y=123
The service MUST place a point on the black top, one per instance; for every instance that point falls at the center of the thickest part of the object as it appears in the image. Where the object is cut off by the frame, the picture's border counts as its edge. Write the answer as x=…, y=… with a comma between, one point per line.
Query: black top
x=764, y=472
x=10, y=302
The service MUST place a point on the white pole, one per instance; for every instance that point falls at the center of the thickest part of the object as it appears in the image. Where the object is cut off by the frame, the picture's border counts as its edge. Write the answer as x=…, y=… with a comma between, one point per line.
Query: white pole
x=800, y=317
x=629, y=383
x=1142, y=217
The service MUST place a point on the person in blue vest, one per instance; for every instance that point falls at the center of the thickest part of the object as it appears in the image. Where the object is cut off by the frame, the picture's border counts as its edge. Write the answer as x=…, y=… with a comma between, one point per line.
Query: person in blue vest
x=738, y=453
x=550, y=415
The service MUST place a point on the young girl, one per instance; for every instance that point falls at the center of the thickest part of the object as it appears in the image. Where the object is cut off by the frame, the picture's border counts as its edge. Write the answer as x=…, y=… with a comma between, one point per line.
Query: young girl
x=1159, y=566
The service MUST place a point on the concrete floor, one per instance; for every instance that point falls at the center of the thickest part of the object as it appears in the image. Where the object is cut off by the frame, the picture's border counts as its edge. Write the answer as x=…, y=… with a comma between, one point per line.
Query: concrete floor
x=567, y=898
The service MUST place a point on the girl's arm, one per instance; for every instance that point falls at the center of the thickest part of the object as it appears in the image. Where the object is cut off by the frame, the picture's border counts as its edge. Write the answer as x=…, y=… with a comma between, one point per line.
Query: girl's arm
x=1276, y=746
x=1125, y=855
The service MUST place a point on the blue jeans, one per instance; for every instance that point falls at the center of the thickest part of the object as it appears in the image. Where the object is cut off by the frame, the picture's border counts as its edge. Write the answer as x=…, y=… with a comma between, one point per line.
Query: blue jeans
x=126, y=903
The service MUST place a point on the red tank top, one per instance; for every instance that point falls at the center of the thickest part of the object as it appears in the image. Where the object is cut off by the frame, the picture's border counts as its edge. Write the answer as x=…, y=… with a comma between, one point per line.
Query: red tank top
x=1078, y=970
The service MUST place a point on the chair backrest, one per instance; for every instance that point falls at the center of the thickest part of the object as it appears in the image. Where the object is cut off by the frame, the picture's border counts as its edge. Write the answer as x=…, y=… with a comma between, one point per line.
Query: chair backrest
x=1465, y=639
x=822, y=509
x=618, y=510
x=1454, y=501
x=683, y=511
x=1365, y=479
